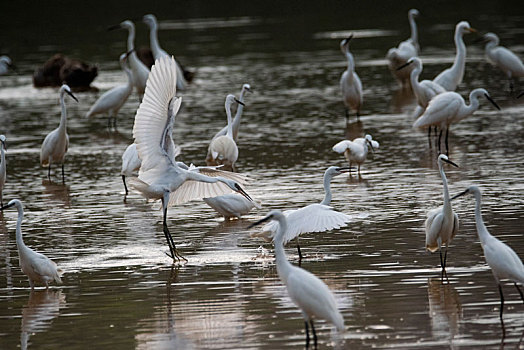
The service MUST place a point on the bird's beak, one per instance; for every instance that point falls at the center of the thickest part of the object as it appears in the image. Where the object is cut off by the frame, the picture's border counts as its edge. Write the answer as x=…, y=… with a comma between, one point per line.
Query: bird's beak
x=492, y=101
x=521, y=94
x=348, y=39
x=460, y=194
x=371, y=145
x=472, y=30
x=7, y=206
x=344, y=169
x=250, y=90
x=239, y=102
x=259, y=222
x=114, y=27
x=450, y=162
x=404, y=65
x=244, y=193
x=71, y=94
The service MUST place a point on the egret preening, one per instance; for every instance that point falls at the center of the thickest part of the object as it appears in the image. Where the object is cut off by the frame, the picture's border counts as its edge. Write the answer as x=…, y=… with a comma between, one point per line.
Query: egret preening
x=350, y=84
x=503, y=261
x=38, y=267
x=448, y=108
x=3, y=167
x=111, y=101
x=442, y=223
x=160, y=176
x=308, y=292
x=5, y=64
x=356, y=151
x=398, y=56
x=451, y=77
x=238, y=114
x=56, y=142
x=312, y=218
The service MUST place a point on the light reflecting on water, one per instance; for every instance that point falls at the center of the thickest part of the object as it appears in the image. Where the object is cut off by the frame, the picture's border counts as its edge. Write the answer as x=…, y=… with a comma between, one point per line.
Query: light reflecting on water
x=120, y=288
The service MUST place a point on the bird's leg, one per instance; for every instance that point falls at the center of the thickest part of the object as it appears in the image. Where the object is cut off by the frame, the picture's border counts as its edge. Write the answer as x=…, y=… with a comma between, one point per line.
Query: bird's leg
x=429, y=136
x=49, y=172
x=63, y=176
x=170, y=242
x=299, y=251
x=347, y=115
x=350, y=169
x=124, y=181
x=358, y=115
x=447, y=147
x=31, y=283
x=439, y=137
x=501, y=305
x=511, y=87
x=314, y=333
x=359, y=175
x=307, y=334
x=520, y=292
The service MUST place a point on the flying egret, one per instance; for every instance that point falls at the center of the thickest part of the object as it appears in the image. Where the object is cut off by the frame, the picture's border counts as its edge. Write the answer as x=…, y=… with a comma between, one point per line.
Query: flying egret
x=307, y=291
x=356, y=151
x=5, y=64
x=311, y=218
x=238, y=114
x=503, y=261
x=38, y=267
x=160, y=176
x=223, y=150
x=56, y=142
x=448, y=108
x=2, y=167
x=140, y=70
x=442, y=223
x=503, y=58
x=451, y=77
x=408, y=48
x=111, y=101
x=350, y=84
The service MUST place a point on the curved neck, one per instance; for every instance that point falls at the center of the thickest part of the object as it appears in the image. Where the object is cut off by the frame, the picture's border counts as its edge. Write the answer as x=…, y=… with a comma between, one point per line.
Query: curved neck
x=153, y=40
x=229, y=132
x=2, y=155
x=327, y=190
x=63, y=117
x=414, y=33
x=415, y=73
x=460, y=57
x=447, y=204
x=129, y=74
x=481, y=228
x=238, y=115
x=19, y=240
x=351, y=62
x=131, y=39
x=283, y=265
x=473, y=105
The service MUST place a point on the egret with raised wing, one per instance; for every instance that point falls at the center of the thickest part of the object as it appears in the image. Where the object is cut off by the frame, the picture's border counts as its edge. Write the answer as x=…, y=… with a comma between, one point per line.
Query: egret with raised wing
x=350, y=84
x=356, y=151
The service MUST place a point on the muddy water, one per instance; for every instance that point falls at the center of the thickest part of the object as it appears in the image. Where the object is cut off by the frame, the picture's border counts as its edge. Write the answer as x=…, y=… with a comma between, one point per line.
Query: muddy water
x=120, y=289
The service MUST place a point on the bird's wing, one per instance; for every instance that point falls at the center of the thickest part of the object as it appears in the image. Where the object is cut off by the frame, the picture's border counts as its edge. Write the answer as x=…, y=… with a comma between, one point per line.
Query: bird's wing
x=343, y=145
x=441, y=108
x=508, y=60
x=44, y=267
x=433, y=225
x=503, y=260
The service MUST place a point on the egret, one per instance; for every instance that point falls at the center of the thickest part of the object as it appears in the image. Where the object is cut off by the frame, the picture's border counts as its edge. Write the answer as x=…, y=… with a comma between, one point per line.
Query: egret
x=160, y=176
x=451, y=77
x=311, y=218
x=38, y=267
x=223, y=150
x=503, y=58
x=356, y=151
x=442, y=223
x=111, y=101
x=408, y=48
x=350, y=84
x=151, y=21
x=231, y=205
x=130, y=163
x=2, y=167
x=503, y=261
x=238, y=114
x=5, y=64
x=308, y=292
x=140, y=71
x=56, y=142
x=448, y=108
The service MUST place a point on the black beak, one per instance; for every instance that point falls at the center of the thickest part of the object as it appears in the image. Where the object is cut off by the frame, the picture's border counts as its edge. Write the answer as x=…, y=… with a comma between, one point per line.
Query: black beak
x=450, y=162
x=242, y=192
x=239, y=102
x=521, y=94
x=344, y=169
x=371, y=145
x=249, y=90
x=71, y=94
x=6, y=206
x=267, y=218
x=114, y=27
x=492, y=101
x=460, y=194
x=404, y=65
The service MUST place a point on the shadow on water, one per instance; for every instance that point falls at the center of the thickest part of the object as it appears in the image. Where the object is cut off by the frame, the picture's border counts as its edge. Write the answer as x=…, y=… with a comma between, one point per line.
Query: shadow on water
x=57, y=191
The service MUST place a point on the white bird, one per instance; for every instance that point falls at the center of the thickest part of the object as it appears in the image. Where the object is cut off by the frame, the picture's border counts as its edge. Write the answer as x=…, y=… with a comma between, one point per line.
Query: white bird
x=38, y=267
x=238, y=115
x=160, y=176
x=223, y=150
x=356, y=151
x=232, y=205
x=442, y=223
x=5, y=64
x=308, y=292
x=130, y=163
x=151, y=21
x=408, y=48
x=503, y=261
x=111, y=101
x=448, y=108
x=56, y=142
x=311, y=218
x=350, y=83
x=451, y=77
x=503, y=58
x=3, y=167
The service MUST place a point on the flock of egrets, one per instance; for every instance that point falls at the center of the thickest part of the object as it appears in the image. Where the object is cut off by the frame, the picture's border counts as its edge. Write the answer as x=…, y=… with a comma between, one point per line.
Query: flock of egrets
x=162, y=177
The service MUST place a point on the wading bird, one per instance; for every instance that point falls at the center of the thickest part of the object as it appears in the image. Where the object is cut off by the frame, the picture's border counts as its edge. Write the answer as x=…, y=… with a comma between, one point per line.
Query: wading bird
x=5, y=64
x=356, y=151
x=56, y=142
x=130, y=163
x=232, y=205
x=308, y=292
x=3, y=168
x=350, y=84
x=38, y=267
x=238, y=114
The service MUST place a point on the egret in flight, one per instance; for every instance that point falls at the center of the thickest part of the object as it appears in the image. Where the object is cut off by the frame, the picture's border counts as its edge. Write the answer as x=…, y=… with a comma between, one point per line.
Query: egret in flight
x=160, y=176
x=56, y=142
x=3, y=167
x=238, y=115
x=307, y=291
x=38, y=267
x=350, y=83
x=356, y=151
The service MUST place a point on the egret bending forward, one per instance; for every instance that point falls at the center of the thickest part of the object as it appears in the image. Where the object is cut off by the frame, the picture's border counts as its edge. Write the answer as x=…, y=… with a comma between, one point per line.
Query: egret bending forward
x=350, y=83
x=356, y=151
x=307, y=291
x=3, y=167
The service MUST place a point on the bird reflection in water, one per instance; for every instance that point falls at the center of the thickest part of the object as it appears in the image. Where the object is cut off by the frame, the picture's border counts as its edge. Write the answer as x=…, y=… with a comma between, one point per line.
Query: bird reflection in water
x=58, y=192
x=354, y=130
x=445, y=309
x=402, y=100
x=5, y=253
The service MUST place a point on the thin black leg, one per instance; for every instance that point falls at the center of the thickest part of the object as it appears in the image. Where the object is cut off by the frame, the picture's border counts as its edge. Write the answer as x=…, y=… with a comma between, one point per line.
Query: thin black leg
x=520, y=292
x=429, y=136
x=314, y=333
x=358, y=116
x=49, y=172
x=299, y=251
x=501, y=305
x=63, y=176
x=124, y=181
x=439, y=137
x=170, y=242
x=447, y=147
x=307, y=334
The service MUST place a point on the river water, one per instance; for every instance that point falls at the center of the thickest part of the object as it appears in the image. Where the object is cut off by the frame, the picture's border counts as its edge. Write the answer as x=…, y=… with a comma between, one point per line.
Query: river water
x=121, y=291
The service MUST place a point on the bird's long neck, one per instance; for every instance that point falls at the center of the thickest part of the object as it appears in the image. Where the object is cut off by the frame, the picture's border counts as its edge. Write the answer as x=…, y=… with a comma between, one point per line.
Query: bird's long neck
x=238, y=115
x=481, y=228
x=19, y=240
x=131, y=39
x=460, y=57
x=447, y=203
x=327, y=190
x=63, y=118
x=414, y=32
x=229, y=132
x=192, y=175
x=351, y=62
x=2, y=155
x=129, y=75
x=473, y=105
x=414, y=76
x=153, y=40
x=283, y=265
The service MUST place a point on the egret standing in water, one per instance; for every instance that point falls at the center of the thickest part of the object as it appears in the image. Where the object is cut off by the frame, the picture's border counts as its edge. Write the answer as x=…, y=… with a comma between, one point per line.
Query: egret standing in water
x=3, y=167
x=56, y=142
x=38, y=267
x=307, y=291
x=238, y=115
x=356, y=151
x=160, y=176
x=503, y=261
x=442, y=223
x=350, y=84
x=130, y=163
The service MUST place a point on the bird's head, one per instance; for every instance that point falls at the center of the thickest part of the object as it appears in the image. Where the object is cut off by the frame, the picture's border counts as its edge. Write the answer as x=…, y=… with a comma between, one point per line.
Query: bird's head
x=471, y=189
x=127, y=24
x=13, y=202
x=230, y=99
x=344, y=43
x=272, y=215
x=415, y=61
x=247, y=87
x=463, y=27
x=65, y=89
x=413, y=13
x=235, y=186
x=150, y=20
x=482, y=92
x=444, y=158
x=371, y=143
x=336, y=170
x=3, y=139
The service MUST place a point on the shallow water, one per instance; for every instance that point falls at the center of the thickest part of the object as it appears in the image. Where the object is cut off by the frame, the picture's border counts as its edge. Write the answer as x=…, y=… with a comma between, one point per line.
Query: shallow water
x=120, y=290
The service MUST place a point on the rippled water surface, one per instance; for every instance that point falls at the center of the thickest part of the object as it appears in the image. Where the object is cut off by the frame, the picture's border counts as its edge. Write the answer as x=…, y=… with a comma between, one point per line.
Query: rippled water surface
x=121, y=291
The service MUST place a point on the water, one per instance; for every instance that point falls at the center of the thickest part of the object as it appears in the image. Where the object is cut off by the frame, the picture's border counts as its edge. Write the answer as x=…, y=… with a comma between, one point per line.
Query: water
x=120, y=290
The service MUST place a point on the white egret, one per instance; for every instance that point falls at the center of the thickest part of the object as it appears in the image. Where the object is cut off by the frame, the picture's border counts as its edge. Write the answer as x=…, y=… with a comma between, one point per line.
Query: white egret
x=356, y=151
x=232, y=205
x=223, y=150
x=503, y=261
x=307, y=291
x=160, y=176
x=38, y=267
x=3, y=167
x=56, y=142
x=451, y=77
x=311, y=218
x=151, y=21
x=442, y=223
x=130, y=163
x=408, y=48
x=111, y=101
x=350, y=83
x=5, y=64
x=448, y=108
x=238, y=114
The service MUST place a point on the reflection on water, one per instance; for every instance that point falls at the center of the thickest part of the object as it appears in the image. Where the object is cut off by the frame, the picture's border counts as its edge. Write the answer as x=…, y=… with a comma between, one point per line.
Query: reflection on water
x=445, y=310
x=57, y=192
